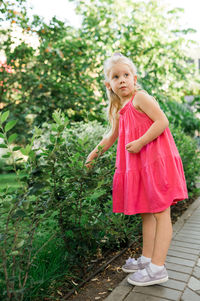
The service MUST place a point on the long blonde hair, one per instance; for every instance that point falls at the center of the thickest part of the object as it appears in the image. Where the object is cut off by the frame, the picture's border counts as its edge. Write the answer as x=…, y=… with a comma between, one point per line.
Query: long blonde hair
x=114, y=101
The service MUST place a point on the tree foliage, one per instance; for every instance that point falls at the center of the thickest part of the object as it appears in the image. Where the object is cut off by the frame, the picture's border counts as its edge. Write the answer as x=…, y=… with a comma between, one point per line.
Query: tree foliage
x=66, y=70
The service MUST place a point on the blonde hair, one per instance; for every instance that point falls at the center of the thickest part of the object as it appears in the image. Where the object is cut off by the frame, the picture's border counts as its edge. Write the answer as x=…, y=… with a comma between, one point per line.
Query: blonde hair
x=114, y=101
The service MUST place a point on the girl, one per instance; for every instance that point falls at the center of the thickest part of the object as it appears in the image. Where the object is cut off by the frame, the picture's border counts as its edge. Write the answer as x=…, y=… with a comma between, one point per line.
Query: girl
x=149, y=175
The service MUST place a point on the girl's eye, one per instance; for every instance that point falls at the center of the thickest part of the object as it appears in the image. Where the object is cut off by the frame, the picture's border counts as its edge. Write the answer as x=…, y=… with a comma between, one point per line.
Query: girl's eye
x=126, y=74
x=116, y=76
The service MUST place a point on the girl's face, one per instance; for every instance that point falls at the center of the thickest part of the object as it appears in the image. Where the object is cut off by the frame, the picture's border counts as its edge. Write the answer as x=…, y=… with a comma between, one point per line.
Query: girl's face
x=122, y=81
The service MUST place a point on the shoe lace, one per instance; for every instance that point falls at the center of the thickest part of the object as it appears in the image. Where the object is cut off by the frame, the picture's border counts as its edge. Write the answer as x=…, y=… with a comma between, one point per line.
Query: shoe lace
x=130, y=260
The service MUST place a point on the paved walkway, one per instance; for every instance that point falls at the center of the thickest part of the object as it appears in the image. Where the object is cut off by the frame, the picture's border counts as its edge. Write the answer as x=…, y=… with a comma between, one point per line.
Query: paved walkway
x=182, y=263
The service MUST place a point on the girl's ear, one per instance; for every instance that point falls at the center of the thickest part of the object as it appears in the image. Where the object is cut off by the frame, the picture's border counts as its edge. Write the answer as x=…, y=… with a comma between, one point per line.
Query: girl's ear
x=107, y=84
x=135, y=79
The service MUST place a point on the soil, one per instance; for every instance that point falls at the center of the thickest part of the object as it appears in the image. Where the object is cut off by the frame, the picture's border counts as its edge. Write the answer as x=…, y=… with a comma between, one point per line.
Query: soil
x=100, y=286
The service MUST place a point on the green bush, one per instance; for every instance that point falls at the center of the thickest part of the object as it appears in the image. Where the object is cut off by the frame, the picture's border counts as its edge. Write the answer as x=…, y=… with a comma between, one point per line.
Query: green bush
x=56, y=185
x=190, y=155
x=59, y=199
x=181, y=114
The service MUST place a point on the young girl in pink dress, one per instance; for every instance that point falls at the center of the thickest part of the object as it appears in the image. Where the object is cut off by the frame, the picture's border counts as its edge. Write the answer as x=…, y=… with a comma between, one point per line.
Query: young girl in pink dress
x=149, y=175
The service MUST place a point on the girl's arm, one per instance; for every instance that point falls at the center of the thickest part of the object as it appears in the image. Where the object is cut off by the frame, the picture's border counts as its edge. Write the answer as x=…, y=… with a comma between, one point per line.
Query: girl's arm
x=106, y=142
x=150, y=107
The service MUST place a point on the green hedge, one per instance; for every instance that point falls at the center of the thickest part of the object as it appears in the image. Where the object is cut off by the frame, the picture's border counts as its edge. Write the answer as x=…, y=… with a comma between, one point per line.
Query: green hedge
x=59, y=199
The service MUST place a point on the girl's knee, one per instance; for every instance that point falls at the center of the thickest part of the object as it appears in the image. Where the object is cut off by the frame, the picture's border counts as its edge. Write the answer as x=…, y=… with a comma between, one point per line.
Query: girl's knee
x=146, y=215
x=165, y=212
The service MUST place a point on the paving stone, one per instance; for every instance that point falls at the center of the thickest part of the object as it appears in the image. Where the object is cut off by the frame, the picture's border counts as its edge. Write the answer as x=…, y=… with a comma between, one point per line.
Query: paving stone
x=124, y=282
x=198, y=263
x=159, y=291
x=185, y=244
x=171, y=283
x=189, y=295
x=194, y=217
x=192, y=223
x=178, y=268
x=190, y=234
x=196, y=213
x=196, y=272
x=178, y=276
x=182, y=255
x=191, y=227
x=141, y=297
x=197, y=231
x=188, y=231
x=186, y=250
x=187, y=239
x=119, y=293
x=194, y=284
x=181, y=261
x=186, y=236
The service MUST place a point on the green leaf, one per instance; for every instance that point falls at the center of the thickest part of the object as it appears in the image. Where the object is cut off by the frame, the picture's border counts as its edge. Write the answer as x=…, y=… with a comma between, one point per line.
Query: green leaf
x=14, y=253
x=4, y=116
x=10, y=125
x=3, y=146
x=20, y=244
x=61, y=128
x=25, y=151
x=2, y=136
x=52, y=139
x=57, y=116
x=16, y=148
x=19, y=213
x=12, y=138
x=7, y=155
x=97, y=194
x=19, y=159
x=31, y=154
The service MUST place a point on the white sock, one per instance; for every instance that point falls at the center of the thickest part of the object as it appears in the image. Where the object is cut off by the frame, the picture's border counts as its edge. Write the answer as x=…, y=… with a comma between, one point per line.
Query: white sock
x=145, y=259
x=155, y=268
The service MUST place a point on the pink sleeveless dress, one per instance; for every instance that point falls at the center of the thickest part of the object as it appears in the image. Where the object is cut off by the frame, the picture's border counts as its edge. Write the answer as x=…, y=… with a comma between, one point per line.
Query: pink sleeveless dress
x=151, y=180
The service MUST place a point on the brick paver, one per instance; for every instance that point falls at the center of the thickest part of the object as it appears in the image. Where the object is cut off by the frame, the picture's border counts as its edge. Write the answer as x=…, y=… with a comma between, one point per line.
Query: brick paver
x=182, y=263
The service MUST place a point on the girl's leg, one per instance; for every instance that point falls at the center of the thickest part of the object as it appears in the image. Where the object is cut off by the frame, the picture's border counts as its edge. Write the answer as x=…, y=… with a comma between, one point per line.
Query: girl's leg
x=159, y=242
x=163, y=236
x=148, y=231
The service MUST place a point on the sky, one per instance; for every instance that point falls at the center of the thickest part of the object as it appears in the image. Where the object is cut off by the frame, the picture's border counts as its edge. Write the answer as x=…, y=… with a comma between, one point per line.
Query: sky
x=64, y=10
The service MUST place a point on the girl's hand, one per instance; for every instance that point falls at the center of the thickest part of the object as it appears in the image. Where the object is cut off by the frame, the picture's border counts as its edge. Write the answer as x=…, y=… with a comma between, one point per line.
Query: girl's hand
x=89, y=164
x=134, y=146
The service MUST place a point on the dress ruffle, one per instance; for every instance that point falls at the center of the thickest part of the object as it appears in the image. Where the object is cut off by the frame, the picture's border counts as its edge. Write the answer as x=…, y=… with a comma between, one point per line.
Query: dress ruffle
x=150, y=189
